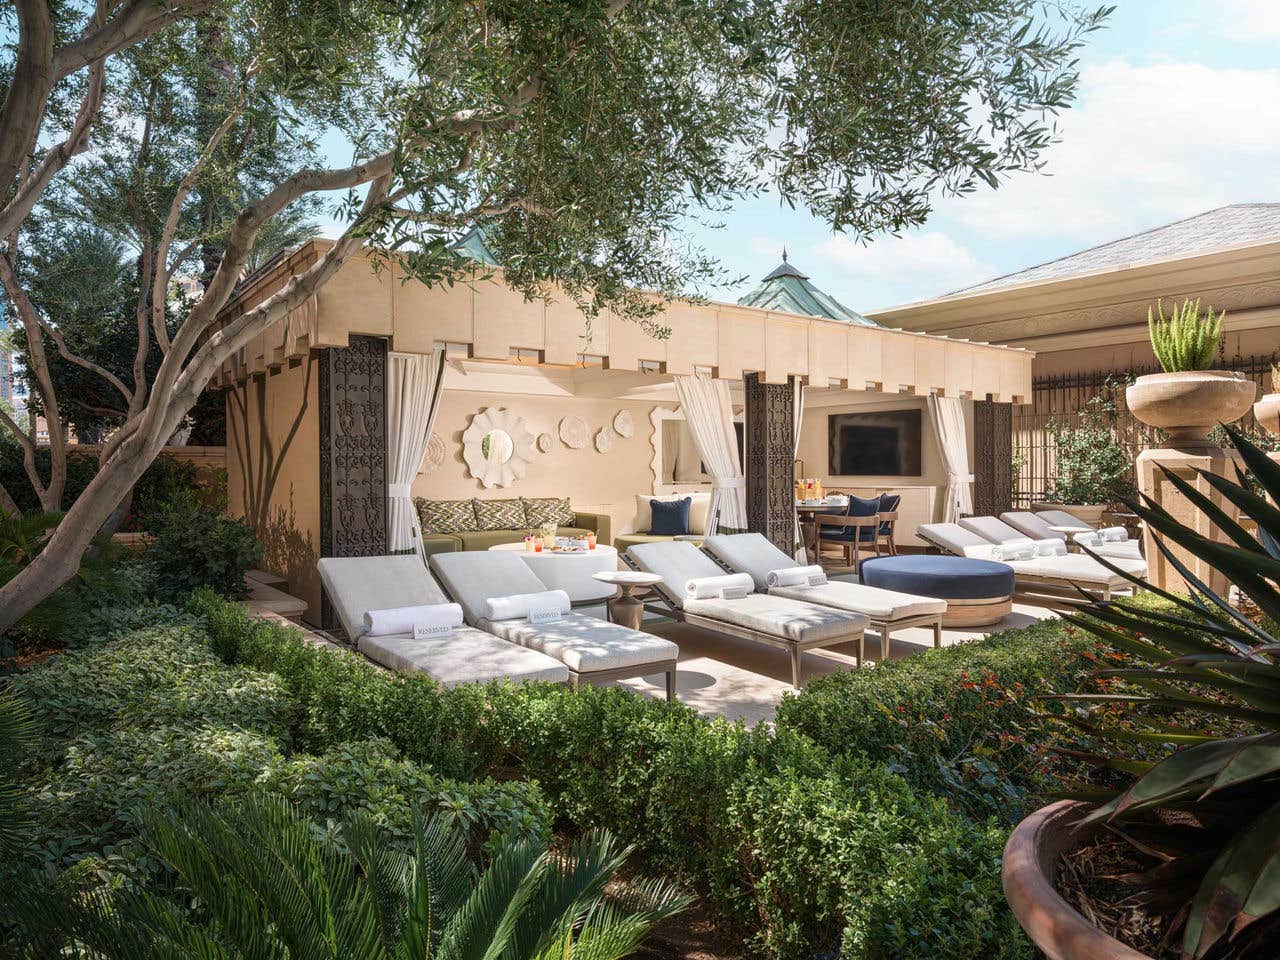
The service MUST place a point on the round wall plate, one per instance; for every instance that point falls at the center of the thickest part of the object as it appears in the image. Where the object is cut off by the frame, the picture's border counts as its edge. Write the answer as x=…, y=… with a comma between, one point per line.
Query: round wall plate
x=574, y=432
x=604, y=440
x=623, y=425
x=435, y=455
x=545, y=441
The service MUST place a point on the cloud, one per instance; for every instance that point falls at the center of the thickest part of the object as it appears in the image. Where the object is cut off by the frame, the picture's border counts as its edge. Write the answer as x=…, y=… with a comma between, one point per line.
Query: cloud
x=1144, y=145
x=1248, y=20
x=912, y=263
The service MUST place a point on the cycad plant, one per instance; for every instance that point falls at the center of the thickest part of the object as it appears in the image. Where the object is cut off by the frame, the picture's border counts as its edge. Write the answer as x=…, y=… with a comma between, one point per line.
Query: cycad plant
x=266, y=887
x=1184, y=340
x=1205, y=699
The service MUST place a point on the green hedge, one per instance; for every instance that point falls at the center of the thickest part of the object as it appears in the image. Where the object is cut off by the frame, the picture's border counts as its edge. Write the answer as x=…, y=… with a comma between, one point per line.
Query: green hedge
x=955, y=721
x=154, y=714
x=812, y=851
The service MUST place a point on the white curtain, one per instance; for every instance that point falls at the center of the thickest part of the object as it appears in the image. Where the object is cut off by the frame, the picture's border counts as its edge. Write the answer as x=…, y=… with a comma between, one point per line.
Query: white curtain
x=414, y=382
x=947, y=414
x=797, y=419
x=709, y=412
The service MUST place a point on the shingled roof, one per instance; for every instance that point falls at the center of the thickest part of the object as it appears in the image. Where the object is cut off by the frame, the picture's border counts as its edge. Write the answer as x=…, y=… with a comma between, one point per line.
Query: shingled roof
x=787, y=289
x=1229, y=226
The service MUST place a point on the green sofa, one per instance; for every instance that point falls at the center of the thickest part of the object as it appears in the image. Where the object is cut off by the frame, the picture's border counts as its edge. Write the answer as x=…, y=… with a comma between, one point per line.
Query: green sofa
x=450, y=541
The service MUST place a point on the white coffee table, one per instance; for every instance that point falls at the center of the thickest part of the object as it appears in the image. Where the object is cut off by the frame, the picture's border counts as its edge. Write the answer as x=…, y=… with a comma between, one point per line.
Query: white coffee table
x=572, y=572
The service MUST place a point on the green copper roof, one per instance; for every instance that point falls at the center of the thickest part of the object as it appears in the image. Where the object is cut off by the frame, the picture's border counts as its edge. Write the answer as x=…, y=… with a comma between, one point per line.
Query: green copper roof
x=789, y=290
x=473, y=247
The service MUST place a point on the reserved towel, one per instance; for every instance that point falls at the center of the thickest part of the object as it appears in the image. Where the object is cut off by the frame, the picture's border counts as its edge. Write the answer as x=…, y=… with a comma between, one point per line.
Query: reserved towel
x=810, y=576
x=731, y=586
x=1113, y=534
x=1050, y=547
x=437, y=617
x=1018, y=550
x=1090, y=539
x=527, y=606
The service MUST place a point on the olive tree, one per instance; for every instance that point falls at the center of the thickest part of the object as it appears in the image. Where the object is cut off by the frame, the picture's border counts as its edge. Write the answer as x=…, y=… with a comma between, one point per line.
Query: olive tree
x=584, y=135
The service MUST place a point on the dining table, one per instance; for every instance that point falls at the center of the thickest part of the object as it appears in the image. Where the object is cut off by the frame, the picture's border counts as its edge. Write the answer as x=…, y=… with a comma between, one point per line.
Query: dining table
x=806, y=510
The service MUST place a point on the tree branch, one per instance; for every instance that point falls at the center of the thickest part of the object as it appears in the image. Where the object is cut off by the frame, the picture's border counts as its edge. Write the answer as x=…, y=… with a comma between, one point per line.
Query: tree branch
x=481, y=212
x=28, y=95
x=136, y=21
x=60, y=342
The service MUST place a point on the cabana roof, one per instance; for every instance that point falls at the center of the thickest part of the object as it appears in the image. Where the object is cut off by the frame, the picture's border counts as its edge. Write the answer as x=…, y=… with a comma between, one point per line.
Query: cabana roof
x=487, y=321
x=787, y=289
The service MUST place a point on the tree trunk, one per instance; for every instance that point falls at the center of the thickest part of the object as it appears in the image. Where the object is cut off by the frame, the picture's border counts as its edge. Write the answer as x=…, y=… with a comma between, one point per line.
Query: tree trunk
x=58, y=562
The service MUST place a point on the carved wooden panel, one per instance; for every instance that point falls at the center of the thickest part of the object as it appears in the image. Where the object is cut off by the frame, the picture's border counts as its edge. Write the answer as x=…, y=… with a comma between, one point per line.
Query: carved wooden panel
x=353, y=451
x=992, y=457
x=770, y=459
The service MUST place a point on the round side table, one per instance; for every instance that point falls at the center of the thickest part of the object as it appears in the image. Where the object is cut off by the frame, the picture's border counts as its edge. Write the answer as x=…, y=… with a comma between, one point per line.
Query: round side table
x=625, y=608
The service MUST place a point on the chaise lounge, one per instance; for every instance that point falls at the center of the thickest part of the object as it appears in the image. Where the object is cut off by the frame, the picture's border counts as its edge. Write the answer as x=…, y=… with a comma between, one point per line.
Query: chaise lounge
x=357, y=585
x=593, y=650
x=793, y=625
x=1047, y=580
x=1039, y=526
x=887, y=610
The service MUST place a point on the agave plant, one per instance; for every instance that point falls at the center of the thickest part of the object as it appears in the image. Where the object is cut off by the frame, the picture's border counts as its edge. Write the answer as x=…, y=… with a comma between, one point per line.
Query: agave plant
x=1208, y=809
x=266, y=887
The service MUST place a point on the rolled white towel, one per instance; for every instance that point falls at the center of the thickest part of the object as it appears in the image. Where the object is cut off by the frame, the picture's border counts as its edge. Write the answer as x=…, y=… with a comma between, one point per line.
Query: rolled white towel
x=812, y=576
x=1014, y=551
x=1090, y=539
x=730, y=586
x=1113, y=534
x=520, y=606
x=1051, y=547
x=385, y=623
x=980, y=551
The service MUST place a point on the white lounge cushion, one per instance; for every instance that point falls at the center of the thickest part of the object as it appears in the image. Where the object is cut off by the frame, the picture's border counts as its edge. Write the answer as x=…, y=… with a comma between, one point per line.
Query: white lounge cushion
x=1124, y=549
x=465, y=656
x=952, y=537
x=356, y=585
x=993, y=529
x=585, y=644
x=748, y=553
x=676, y=561
x=1061, y=518
x=521, y=606
x=472, y=577
x=780, y=617
x=1080, y=568
x=386, y=623
x=872, y=602
x=1032, y=525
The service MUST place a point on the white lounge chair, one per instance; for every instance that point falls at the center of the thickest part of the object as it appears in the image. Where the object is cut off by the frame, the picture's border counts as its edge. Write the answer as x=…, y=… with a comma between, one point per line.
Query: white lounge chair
x=1050, y=581
x=593, y=650
x=1039, y=526
x=356, y=585
x=887, y=610
x=792, y=625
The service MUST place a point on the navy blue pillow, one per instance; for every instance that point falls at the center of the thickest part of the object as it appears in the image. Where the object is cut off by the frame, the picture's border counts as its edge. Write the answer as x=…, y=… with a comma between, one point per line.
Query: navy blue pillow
x=861, y=507
x=670, y=517
x=889, y=502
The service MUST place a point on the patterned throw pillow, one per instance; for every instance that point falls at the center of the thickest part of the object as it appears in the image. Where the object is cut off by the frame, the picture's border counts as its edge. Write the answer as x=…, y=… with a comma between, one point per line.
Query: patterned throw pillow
x=445, y=516
x=548, y=510
x=500, y=514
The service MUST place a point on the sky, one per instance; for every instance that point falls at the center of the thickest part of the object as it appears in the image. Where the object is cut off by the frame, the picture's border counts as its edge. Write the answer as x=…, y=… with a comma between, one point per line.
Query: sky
x=1177, y=112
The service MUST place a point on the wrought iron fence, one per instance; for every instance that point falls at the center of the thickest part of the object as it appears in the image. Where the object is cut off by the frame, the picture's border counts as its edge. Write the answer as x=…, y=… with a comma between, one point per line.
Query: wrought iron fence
x=1063, y=397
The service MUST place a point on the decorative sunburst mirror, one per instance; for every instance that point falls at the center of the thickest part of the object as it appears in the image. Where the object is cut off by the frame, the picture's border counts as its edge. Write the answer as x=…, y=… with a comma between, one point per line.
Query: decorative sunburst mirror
x=497, y=447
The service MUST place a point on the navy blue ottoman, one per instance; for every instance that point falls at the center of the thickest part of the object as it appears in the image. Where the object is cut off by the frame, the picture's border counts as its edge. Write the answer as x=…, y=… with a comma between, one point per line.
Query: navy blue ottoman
x=978, y=592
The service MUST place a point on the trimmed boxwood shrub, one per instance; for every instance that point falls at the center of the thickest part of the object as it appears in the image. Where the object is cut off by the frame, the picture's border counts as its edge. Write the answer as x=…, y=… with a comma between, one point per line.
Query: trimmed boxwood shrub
x=812, y=850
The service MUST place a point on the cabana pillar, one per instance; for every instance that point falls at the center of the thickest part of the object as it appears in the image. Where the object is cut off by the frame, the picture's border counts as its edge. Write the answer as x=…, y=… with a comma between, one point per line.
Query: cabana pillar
x=992, y=458
x=770, y=460
x=353, y=452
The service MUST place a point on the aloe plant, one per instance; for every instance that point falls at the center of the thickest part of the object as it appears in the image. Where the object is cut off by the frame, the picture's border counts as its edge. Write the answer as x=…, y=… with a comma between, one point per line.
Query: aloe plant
x=1184, y=340
x=1203, y=663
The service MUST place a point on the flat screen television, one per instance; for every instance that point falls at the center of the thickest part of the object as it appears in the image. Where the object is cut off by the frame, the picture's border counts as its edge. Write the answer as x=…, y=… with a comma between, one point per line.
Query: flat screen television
x=885, y=443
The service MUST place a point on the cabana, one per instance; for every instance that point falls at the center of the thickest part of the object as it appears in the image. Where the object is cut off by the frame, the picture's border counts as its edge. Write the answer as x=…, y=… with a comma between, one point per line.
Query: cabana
x=380, y=390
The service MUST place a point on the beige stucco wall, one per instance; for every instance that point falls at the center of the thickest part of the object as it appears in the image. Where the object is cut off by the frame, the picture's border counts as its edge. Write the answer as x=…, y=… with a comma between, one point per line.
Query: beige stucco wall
x=594, y=482
x=280, y=492
x=922, y=496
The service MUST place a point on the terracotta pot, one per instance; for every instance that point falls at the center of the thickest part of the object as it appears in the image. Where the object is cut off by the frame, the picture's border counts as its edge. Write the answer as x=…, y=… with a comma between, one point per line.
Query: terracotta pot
x=1030, y=865
x=1187, y=405
x=1267, y=412
x=1090, y=513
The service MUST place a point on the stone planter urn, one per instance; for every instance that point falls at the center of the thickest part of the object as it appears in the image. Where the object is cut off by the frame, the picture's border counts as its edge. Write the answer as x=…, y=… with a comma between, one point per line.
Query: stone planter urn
x=1088, y=513
x=1188, y=404
x=1030, y=865
x=1267, y=412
